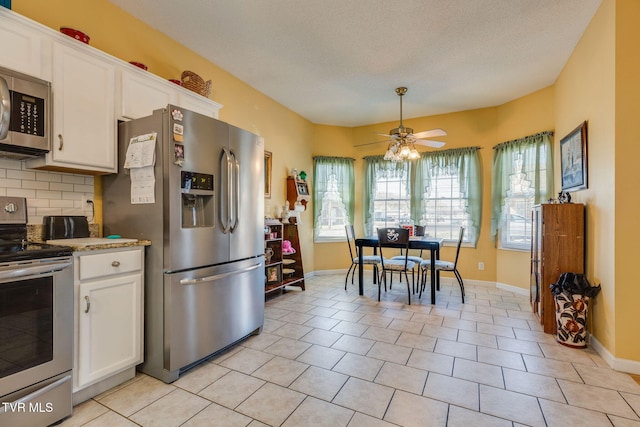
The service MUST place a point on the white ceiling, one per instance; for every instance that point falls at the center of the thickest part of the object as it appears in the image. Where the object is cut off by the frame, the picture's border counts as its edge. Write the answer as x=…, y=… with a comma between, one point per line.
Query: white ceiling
x=338, y=62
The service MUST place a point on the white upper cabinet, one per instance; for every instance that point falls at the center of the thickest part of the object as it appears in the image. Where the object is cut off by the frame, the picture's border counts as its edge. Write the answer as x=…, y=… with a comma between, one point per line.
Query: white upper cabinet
x=141, y=93
x=198, y=103
x=84, y=122
x=23, y=48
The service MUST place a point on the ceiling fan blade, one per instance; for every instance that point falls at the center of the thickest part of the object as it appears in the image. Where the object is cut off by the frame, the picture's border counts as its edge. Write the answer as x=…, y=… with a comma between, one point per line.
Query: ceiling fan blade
x=371, y=143
x=430, y=133
x=429, y=143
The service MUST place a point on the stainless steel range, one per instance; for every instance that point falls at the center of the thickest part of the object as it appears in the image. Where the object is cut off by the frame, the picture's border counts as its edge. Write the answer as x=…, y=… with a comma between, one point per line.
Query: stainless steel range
x=36, y=324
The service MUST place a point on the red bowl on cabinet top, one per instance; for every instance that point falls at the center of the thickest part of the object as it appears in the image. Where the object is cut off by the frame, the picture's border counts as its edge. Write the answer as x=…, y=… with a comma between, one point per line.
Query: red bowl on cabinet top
x=176, y=81
x=138, y=64
x=76, y=34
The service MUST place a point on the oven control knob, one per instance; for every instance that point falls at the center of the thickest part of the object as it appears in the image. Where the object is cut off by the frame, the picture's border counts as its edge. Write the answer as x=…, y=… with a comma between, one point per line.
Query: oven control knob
x=10, y=208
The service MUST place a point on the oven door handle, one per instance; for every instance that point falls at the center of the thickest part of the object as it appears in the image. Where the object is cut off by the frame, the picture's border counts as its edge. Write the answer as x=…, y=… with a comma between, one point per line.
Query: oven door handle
x=35, y=394
x=12, y=272
x=217, y=276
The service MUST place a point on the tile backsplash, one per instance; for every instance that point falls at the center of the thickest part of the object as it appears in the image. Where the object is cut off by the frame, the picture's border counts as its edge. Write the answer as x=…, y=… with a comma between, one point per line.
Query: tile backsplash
x=47, y=193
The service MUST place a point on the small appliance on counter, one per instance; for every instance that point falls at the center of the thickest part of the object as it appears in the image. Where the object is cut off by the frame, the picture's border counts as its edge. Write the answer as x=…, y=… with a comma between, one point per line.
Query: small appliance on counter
x=74, y=231
x=65, y=227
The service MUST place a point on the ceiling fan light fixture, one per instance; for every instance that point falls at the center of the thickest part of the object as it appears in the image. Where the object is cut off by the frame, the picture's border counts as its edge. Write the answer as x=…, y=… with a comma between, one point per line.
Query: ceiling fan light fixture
x=402, y=140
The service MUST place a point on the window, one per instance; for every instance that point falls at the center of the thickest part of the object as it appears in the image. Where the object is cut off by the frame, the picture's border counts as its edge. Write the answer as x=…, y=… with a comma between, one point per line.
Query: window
x=522, y=176
x=387, y=194
x=444, y=209
x=392, y=202
x=450, y=194
x=333, y=197
x=441, y=191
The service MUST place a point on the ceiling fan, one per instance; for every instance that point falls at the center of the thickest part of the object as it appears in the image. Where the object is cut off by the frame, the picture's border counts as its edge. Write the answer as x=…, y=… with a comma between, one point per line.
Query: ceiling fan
x=402, y=139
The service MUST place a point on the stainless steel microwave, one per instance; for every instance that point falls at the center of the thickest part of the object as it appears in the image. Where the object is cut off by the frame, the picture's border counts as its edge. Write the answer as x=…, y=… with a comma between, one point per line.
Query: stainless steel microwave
x=25, y=115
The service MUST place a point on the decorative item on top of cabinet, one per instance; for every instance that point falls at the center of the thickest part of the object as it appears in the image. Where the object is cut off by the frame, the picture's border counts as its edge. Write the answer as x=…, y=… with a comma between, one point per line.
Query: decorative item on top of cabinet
x=297, y=191
x=557, y=247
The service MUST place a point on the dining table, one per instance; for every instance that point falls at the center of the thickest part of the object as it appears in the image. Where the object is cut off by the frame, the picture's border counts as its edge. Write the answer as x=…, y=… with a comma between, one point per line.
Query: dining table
x=431, y=244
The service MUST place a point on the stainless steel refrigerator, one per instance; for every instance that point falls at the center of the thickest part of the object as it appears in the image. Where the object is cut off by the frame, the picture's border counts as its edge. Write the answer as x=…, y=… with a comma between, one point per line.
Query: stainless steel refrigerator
x=200, y=201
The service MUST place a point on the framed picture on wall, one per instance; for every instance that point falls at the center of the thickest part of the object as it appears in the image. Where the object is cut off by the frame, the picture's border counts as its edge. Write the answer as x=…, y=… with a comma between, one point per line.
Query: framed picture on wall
x=573, y=159
x=267, y=174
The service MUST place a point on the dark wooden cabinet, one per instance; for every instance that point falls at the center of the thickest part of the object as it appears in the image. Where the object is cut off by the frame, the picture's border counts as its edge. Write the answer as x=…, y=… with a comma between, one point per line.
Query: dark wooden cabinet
x=557, y=247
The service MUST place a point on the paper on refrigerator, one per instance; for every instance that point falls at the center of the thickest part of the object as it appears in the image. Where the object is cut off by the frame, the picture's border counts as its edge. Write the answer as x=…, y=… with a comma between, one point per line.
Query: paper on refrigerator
x=140, y=160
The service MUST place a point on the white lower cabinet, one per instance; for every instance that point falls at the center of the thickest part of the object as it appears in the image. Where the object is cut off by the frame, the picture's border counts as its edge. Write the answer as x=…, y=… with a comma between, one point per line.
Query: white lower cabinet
x=109, y=313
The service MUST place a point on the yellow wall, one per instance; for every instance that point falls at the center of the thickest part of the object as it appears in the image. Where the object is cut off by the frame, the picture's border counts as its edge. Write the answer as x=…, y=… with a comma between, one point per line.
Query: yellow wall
x=585, y=90
x=627, y=204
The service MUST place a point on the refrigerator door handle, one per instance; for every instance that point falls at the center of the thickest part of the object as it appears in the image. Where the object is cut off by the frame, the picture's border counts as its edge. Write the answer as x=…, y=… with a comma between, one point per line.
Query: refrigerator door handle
x=218, y=276
x=236, y=196
x=224, y=204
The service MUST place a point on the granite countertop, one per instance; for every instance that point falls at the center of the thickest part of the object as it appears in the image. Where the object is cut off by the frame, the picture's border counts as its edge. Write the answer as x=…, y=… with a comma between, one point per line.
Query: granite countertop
x=95, y=247
x=35, y=233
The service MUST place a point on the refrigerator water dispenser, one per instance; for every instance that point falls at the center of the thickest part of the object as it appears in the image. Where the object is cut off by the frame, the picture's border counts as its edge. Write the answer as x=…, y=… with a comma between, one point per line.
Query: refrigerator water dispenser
x=197, y=200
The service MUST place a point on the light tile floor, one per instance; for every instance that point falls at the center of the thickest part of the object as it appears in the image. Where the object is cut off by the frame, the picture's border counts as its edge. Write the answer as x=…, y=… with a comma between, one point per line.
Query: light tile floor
x=328, y=357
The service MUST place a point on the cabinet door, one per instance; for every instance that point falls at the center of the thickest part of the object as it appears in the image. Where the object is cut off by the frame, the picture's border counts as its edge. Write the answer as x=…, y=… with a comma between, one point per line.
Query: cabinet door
x=84, y=131
x=21, y=45
x=110, y=327
x=194, y=102
x=141, y=94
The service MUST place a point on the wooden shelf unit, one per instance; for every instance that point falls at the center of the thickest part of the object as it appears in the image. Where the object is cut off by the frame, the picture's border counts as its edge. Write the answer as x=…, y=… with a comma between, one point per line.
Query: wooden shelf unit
x=283, y=269
x=293, y=273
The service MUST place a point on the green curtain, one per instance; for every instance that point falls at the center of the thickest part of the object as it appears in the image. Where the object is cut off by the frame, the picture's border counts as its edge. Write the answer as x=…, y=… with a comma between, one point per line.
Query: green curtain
x=535, y=150
x=343, y=168
x=464, y=163
x=376, y=167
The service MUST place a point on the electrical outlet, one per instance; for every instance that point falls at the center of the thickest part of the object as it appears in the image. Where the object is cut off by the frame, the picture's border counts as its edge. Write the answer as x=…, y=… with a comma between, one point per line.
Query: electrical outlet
x=481, y=266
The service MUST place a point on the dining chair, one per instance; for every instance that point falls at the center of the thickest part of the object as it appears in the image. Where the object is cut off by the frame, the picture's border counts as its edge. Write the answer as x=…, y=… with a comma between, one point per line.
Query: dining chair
x=373, y=260
x=440, y=265
x=416, y=259
x=397, y=238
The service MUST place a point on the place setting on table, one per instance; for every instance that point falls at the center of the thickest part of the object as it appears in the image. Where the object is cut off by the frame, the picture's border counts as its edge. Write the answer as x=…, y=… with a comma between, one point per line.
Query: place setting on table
x=417, y=240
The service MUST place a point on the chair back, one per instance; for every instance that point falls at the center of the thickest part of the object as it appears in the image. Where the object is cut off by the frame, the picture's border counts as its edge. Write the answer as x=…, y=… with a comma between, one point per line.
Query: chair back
x=393, y=237
x=351, y=237
x=455, y=261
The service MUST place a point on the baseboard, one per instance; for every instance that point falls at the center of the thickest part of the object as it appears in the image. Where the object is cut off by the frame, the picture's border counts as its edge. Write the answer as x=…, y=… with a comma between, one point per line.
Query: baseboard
x=515, y=289
x=621, y=365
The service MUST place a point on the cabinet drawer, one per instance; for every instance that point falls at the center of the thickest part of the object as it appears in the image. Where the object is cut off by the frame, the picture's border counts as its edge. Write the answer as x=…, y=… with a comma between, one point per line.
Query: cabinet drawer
x=105, y=264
